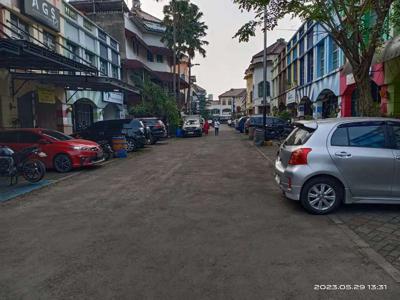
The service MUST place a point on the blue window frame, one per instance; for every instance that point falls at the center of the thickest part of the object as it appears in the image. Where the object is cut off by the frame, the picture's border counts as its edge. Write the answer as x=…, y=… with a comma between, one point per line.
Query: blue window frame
x=310, y=39
x=310, y=66
x=302, y=71
x=321, y=59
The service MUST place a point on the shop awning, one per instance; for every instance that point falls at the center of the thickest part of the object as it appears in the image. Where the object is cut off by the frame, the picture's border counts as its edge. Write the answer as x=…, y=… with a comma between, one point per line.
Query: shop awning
x=75, y=82
x=25, y=55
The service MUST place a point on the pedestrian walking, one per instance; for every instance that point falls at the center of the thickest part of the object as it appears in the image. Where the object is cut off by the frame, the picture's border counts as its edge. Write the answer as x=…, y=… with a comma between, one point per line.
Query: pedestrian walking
x=206, y=127
x=216, y=126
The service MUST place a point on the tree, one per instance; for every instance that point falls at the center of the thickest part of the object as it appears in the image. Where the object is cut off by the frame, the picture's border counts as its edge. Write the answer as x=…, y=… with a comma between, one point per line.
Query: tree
x=185, y=31
x=356, y=26
x=157, y=102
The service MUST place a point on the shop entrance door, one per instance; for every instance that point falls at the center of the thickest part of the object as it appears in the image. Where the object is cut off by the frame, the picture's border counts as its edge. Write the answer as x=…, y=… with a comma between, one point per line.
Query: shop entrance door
x=83, y=115
x=25, y=110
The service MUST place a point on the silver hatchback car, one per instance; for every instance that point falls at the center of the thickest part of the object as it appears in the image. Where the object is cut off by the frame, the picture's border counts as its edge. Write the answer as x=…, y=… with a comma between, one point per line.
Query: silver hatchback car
x=324, y=163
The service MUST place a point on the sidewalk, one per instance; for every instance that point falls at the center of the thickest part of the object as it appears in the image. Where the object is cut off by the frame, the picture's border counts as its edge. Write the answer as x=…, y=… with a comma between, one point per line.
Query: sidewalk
x=377, y=225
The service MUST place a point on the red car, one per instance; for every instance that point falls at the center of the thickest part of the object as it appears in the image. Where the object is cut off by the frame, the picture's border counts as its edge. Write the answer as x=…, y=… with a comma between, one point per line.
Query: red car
x=63, y=152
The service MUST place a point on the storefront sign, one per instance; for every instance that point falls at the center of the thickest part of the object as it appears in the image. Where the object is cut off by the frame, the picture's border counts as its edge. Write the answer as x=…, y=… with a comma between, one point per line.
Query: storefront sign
x=112, y=97
x=47, y=96
x=291, y=97
x=43, y=12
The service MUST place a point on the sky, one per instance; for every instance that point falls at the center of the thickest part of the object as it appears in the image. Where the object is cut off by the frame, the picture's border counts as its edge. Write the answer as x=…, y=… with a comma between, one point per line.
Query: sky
x=227, y=59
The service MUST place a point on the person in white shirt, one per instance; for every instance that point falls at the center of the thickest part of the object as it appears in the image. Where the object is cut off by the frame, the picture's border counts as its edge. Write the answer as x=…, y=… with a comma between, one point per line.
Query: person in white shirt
x=216, y=126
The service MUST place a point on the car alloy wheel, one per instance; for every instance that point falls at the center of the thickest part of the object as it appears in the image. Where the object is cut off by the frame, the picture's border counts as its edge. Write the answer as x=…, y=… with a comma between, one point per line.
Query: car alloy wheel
x=62, y=163
x=321, y=196
x=131, y=145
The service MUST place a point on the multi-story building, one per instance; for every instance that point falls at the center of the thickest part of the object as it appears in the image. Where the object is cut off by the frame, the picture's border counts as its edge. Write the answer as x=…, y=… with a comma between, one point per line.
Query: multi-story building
x=256, y=69
x=248, y=76
x=232, y=102
x=143, y=53
x=58, y=69
x=198, y=99
x=279, y=82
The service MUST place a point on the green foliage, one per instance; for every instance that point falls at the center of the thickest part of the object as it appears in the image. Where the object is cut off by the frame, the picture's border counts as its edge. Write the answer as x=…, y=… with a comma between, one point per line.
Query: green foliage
x=157, y=102
x=190, y=31
x=285, y=115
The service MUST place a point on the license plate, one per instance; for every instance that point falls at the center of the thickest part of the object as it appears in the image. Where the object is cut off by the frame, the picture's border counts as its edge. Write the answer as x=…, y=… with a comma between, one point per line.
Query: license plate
x=190, y=132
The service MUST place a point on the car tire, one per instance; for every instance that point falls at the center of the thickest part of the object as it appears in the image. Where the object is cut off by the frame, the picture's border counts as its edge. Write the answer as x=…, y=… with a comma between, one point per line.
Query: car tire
x=153, y=140
x=62, y=163
x=321, y=195
x=131, y=145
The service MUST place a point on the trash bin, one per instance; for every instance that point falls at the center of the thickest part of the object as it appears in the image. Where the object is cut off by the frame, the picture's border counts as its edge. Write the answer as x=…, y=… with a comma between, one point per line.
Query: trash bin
x=179, y=132
x=251, y=133
x=259, y=137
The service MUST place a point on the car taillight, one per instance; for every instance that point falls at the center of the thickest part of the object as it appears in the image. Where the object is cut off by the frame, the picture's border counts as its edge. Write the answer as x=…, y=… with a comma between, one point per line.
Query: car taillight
x=299, y=156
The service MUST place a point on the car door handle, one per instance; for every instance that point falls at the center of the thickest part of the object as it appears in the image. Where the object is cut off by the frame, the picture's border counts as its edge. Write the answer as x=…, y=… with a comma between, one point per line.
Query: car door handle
x=343, y=154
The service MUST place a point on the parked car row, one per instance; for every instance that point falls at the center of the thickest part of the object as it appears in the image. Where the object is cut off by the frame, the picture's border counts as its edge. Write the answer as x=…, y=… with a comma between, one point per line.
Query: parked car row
x=326, y=163
x=276, y=128
x=86, y=147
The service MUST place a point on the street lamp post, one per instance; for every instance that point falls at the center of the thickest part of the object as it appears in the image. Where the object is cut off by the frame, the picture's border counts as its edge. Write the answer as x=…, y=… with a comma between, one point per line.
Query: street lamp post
x=265, y=74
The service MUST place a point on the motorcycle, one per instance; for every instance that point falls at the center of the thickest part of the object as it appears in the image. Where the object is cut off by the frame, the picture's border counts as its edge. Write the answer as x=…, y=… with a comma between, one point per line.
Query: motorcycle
x=24, y=163
x=107, y=149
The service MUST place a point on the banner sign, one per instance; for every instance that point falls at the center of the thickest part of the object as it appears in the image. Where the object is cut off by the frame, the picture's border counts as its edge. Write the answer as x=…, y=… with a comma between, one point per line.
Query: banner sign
x=47, y=96
x=44, y=12
x=291, y=96
x=113, y=97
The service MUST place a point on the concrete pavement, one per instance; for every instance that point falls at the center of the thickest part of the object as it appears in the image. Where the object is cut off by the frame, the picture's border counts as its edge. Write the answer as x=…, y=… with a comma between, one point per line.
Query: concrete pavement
x=197, y=218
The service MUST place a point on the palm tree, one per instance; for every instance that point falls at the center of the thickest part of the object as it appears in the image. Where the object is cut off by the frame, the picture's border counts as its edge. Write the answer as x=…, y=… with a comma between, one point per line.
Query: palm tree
x=184, y=32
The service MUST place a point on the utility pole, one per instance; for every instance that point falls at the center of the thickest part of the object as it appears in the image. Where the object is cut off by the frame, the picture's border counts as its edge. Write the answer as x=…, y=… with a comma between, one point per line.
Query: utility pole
x=265, y=74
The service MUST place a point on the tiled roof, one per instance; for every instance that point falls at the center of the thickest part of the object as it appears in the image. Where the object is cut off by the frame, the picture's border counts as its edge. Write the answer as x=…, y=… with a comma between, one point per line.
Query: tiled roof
x=234, y=93
x=275, y=48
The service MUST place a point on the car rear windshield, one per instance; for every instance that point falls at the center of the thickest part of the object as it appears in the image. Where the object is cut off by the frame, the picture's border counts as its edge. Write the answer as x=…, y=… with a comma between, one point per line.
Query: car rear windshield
x=57, y=135
x=150, y=121
x=299, y=136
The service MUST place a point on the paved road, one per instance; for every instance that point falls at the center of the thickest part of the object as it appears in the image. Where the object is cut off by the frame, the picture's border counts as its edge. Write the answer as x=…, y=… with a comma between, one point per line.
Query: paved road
x=192, y=219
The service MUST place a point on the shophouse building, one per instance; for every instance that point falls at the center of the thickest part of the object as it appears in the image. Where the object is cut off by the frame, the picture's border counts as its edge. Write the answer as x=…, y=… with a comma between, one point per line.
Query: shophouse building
x=279, y=82
x=139, y=34
x=232, y=103
x=58, y=69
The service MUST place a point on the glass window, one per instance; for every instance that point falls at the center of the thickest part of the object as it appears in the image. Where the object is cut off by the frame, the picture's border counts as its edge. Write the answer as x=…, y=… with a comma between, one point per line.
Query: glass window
x=88, y=25
x=301, y=47
x=340, y=137
x=302, y=71
x=335, y=56
x=19, y=29
x=49, y=40
x=295, y=71
x=114, y=58
x=115, y=71
x=321, y=59
x=370, y=136
x=310, y=39
x=102, y=36
x=103, y=51
x=71, y=32
x=113, y=44
x=298, y=137
x=103, y=67
x=150, y=56
x=57, y=135
x=395, y=133
x=310, y=70
x=90, y=58
x=70, y=12
x=73, y=52
x=90, y=43
x=160, y=58
x=28, y=137
x=9, y=137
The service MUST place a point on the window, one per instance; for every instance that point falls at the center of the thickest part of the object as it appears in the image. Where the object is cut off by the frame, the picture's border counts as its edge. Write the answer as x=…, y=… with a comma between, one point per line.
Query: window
x=302, y=71
x=299, y=137
x=395, y=128
x=301, y=47
x=301, y=31
x=113, y=44
x=49, y=40
x=150, y=56
x=90, y=43
x=115, y=71
x=103, y=51
x=289, y=58
x=103, y=67
x=73, y=52
x=340, y=137
x=19, y=29
x=102, y=36
x=335, y=56
x=88, y=25
x=310, y=39
x=295, y=53
x=57, y=135
x=223, y=102
x=289, y=75
x=71, y=32
x=26, y=137
x=367, y=135
x=229, y=102
x=321, y=59
x=295, y=71
x=310, y=63
x=71, y=13
x=261, y=89
x=114, y=58
x=90, y=58
x=160, y=58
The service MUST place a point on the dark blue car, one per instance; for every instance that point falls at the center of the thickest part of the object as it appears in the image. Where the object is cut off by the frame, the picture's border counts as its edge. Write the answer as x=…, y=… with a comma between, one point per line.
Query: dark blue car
x=240, y=124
